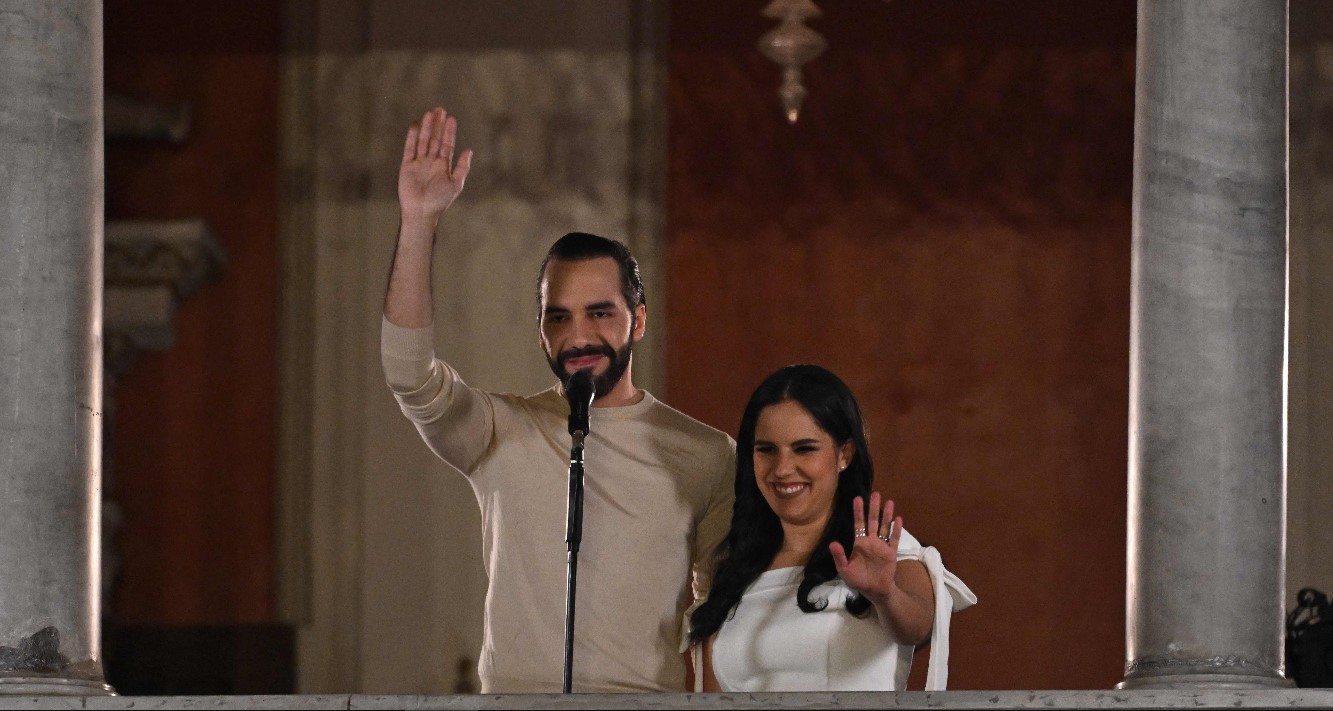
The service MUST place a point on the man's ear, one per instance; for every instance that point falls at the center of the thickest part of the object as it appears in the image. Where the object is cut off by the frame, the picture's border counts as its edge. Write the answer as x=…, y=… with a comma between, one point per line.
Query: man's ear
x=640, y=322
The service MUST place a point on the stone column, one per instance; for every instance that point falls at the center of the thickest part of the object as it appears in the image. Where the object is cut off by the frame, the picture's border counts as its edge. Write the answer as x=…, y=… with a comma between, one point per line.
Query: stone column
x=1207, y=459
x=50, y=345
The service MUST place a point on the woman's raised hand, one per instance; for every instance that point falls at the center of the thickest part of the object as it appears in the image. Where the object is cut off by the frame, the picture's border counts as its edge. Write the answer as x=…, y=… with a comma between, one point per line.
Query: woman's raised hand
x=428, y=180
x=874, y=559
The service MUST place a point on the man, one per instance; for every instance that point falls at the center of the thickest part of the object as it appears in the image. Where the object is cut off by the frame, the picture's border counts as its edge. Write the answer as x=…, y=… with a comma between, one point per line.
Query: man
x=659, y=485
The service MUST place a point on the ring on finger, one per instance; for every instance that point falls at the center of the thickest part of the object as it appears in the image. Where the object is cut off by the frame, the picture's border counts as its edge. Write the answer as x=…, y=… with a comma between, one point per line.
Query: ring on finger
x=859, y=533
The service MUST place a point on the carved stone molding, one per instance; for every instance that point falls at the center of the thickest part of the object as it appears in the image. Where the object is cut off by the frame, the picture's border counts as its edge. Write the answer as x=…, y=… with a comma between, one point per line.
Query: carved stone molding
x=181, y=254
x=150, y=266
x=131, y=119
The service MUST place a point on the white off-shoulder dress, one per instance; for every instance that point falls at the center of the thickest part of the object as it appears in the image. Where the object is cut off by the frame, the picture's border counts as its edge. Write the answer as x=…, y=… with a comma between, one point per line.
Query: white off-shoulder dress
x=771, y=645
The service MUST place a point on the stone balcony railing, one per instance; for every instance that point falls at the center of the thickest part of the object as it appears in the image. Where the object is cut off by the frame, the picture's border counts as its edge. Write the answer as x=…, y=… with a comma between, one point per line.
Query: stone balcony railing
x=1135, y=699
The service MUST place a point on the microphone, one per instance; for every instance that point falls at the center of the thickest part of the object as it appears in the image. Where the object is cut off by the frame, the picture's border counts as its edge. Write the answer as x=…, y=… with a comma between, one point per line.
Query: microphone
x=579, y=391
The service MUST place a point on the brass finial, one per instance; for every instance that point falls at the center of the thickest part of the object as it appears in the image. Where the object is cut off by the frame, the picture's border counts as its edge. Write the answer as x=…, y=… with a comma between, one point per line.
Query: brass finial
x=792, y=44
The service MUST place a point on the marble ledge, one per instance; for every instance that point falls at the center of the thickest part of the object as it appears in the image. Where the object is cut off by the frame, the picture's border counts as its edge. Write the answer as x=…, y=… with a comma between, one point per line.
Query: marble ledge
x=1137, y=699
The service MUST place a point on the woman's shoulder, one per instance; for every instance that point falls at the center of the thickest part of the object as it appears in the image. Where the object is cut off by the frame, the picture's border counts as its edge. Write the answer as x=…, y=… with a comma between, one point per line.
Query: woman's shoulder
x=909, y=548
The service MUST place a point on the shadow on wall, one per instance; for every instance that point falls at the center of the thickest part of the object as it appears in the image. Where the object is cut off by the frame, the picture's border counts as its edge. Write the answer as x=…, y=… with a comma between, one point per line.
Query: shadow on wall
x=202, y=660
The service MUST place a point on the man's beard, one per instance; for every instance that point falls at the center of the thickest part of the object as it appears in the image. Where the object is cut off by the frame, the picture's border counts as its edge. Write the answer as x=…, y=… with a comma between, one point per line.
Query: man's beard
x=604, y=383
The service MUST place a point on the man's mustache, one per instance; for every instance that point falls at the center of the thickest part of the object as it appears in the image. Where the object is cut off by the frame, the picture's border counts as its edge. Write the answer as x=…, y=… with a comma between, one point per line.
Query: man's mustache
x=602, y=350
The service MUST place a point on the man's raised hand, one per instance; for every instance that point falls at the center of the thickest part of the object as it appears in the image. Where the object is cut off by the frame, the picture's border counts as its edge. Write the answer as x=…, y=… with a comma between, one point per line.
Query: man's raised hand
x=428, y=180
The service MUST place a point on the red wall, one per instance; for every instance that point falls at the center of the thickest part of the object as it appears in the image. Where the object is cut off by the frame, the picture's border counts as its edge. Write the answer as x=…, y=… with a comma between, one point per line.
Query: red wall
x=947, y=228
x=192, y=451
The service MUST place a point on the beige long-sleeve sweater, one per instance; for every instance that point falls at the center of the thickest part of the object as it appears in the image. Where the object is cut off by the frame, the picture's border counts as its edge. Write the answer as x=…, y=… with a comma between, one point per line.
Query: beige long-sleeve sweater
x=658, y=497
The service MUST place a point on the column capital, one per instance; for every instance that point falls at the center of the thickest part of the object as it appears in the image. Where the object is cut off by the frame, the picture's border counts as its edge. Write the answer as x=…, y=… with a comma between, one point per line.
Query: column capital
x=150, y=267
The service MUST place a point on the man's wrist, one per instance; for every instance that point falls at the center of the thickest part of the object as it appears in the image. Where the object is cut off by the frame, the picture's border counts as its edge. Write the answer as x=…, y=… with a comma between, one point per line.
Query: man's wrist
x=418, y=225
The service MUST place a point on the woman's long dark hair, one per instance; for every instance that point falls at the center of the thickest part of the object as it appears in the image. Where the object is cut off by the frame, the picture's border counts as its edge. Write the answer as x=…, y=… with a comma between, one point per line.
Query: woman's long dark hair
x=756, y=533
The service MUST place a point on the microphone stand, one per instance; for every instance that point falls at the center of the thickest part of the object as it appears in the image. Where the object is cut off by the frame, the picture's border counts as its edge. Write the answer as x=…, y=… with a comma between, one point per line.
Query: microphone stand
x=573, y=536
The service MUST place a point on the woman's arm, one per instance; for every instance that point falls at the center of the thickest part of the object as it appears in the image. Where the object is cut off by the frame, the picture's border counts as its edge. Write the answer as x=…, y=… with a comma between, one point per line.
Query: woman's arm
x=902, y=595
x=908, y=611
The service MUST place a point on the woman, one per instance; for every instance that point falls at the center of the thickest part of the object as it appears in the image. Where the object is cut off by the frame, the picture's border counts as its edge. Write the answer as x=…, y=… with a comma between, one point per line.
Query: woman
x=818, y=587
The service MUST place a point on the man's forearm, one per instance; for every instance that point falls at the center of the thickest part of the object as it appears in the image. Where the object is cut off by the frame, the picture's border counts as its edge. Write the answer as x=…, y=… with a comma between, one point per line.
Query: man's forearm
x=407, y=302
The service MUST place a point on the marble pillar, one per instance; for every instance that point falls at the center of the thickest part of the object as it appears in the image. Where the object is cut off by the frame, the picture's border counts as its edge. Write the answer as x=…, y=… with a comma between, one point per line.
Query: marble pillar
x=51, y=194
x=1207, y=459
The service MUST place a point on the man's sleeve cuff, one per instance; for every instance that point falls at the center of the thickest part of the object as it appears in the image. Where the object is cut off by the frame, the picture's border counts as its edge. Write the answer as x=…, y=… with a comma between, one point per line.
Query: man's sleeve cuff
x=407, y=355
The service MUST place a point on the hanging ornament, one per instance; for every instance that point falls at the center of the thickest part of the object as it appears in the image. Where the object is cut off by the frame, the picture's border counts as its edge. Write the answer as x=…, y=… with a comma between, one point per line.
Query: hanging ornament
x=792, y=44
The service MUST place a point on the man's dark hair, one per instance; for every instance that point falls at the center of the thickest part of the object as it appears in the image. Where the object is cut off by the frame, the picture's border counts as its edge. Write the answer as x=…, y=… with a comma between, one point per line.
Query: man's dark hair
x=578, y=246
